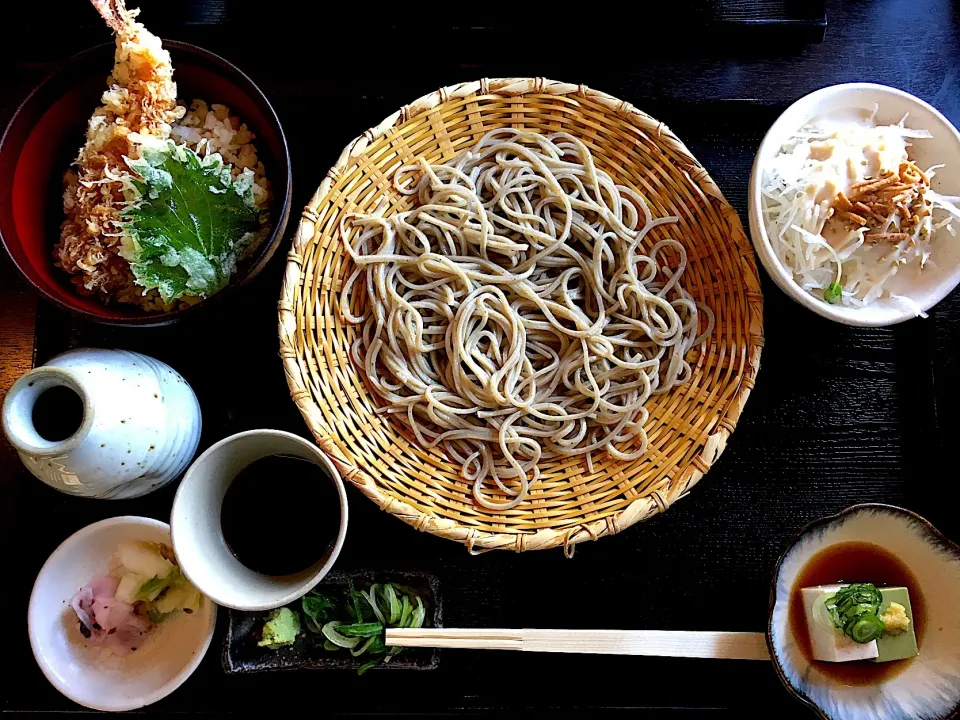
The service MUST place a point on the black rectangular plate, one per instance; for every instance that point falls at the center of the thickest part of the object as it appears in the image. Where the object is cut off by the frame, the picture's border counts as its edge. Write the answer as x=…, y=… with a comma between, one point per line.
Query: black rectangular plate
x=241, y=654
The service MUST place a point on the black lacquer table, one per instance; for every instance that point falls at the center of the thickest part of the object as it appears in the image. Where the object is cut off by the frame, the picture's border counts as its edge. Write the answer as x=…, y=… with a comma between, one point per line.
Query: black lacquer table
x=838, y=415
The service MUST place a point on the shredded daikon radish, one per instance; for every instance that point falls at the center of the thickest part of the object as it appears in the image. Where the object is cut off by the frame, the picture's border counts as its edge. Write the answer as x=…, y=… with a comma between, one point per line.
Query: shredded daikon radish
x=808, y=217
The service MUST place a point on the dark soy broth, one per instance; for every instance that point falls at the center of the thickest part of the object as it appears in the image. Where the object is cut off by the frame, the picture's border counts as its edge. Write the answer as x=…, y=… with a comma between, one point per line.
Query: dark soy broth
x=852, y=562
x=280, y=515
x=57, y=413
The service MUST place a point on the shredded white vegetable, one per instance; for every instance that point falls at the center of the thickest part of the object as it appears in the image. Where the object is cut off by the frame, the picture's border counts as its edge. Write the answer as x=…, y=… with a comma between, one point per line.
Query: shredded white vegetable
x=832, y=260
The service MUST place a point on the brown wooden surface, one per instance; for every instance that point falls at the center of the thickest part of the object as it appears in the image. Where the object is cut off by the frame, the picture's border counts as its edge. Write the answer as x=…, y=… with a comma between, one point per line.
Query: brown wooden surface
x=18, y=317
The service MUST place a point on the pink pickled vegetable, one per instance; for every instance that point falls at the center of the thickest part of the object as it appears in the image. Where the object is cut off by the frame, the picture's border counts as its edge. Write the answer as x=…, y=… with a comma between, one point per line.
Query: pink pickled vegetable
x=106, y=621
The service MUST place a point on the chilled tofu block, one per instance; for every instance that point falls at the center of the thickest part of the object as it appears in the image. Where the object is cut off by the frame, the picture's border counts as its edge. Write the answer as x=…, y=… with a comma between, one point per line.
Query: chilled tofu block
x=899, y=639
x=828, y=646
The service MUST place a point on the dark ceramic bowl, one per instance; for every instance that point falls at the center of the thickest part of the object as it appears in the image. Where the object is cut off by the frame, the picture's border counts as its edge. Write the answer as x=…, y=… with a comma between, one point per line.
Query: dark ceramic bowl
x=929, y=687
x=45, y=134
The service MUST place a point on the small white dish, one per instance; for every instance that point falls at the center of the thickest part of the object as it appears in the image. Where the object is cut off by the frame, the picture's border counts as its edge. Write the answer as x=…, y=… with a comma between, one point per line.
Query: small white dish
x=90, y=675
x=929, y=687
x=198, y=540
x=926, y=289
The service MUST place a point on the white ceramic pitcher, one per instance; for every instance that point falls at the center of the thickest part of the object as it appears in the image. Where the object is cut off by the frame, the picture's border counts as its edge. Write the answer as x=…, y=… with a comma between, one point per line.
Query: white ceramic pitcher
x=140, y=425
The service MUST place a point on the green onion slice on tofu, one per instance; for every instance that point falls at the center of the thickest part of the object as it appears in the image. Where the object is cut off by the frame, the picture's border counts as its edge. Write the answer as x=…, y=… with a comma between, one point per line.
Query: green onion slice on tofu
x=865, y=628
x=855, y=609
x=821, y=616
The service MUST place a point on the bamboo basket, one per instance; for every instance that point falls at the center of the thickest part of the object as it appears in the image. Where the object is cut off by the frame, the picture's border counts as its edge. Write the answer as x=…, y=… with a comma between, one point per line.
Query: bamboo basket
x=688, y=427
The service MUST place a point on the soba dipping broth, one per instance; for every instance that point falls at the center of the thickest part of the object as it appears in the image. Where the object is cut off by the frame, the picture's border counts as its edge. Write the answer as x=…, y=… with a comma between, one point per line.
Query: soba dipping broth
x=856, y=562
x=280, y=515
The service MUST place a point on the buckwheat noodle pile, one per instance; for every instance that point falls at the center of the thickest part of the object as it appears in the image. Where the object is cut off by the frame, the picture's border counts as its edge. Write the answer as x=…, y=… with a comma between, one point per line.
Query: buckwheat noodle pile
x=513, y=315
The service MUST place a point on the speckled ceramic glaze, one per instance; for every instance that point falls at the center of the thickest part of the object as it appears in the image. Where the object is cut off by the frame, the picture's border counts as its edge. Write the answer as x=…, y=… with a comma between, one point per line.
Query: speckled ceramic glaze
x=140, y=427
x=929, y=688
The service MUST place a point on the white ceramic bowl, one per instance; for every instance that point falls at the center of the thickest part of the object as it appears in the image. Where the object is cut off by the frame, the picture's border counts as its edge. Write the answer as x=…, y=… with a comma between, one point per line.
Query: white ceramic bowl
x=198, y=537
x=89, y=675
x=926, y=289
x=929, y=687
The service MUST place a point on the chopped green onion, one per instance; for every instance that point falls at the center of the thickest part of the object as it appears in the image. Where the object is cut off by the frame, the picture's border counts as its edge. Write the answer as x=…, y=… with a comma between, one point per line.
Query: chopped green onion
x=821, y=616
x=354, y=599
x=357, y=652
x=366, y=666
x=317, y=608
x=360, y=630
x=330, y=633
x=832, y=293
x=370, y=612
x=406, y=611
x=866, y=628
x=855, y=610
x=393, y=604
x=418, y=615
x=371, y=597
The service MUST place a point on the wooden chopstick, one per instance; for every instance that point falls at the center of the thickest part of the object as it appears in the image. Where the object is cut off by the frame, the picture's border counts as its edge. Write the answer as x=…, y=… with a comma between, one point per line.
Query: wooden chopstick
x=663, y=643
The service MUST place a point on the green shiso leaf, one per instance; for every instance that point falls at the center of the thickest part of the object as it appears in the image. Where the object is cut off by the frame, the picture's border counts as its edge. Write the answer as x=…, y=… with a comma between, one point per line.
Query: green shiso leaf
x=189, y=220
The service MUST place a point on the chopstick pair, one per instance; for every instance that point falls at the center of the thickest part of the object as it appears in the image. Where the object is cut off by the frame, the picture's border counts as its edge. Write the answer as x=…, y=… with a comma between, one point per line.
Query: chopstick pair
x=662, y=643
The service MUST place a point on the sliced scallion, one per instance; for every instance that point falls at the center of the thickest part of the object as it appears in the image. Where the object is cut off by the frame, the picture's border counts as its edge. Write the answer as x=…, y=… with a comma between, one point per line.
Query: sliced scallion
x=419, y=614
x=865, y=628
x=369, y=613
x=406, y=611
x=360, y=630
x=821, y=616
x=357, y=652
x=392, y=611
x=330, y=633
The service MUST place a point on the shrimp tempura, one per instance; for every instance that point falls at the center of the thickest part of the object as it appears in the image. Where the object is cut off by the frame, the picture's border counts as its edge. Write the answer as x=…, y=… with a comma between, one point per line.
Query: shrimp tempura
x=141, y=100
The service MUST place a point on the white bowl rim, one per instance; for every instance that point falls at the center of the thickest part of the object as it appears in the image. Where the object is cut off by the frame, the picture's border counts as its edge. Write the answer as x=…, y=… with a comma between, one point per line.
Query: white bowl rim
x=144, y=700
x=910, y=515
x=780, y=275
x=326, y=463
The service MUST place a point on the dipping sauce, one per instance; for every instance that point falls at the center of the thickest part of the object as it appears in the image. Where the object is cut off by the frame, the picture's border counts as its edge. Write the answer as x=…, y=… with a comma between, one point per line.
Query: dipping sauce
x=853, y=562
x=280, y=515
x=57, y=413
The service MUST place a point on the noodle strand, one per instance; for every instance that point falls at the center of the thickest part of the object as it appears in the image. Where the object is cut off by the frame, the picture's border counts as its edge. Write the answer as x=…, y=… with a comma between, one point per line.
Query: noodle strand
x=512, y=316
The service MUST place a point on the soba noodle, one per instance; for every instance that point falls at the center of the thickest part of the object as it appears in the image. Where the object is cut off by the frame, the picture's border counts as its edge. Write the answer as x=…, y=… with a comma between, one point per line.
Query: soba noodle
x=512, y=315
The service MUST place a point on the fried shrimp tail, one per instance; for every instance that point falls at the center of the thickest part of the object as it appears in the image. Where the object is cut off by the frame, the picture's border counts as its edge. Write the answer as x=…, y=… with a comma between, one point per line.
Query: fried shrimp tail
x=113, y=11
x=140, y=101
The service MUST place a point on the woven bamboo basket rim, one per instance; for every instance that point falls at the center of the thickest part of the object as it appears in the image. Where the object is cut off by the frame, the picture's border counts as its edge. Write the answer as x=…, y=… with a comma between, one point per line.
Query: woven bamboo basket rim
x=412, y=483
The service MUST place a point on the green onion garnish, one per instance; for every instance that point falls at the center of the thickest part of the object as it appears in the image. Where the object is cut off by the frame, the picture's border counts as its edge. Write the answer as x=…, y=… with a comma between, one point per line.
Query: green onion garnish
x=367, y=613
x=866, y=628
x=361, y=630
x=832, y=293
x=855, y=609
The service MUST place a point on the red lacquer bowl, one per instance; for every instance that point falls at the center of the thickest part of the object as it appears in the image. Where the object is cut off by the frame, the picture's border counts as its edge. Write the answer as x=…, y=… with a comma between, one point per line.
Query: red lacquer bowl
x=45, y=134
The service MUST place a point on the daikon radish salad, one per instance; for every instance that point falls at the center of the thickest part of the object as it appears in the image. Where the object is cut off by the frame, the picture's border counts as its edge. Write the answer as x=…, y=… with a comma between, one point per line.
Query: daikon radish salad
x=846, y=209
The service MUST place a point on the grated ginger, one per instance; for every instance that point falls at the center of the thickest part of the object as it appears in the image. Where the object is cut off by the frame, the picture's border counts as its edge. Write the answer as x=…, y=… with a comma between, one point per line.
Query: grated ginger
x=895, y=620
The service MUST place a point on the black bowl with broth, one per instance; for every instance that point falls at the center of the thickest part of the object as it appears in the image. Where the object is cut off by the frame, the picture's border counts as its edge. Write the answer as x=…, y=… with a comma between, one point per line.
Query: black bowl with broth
x=887, y=546
x=852, y=562
x=307, y=522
